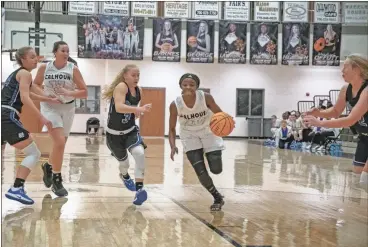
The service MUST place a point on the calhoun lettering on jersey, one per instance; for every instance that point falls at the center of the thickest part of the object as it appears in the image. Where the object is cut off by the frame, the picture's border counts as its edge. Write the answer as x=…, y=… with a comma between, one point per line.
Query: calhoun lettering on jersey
x=195, y=115
x=61, y=76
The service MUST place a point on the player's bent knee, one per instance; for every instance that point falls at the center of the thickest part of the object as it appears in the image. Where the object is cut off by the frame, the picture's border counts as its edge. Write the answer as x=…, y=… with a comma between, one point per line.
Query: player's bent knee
x=195, y=156
x=138, y=155
x=215, y=161
x=33, y=155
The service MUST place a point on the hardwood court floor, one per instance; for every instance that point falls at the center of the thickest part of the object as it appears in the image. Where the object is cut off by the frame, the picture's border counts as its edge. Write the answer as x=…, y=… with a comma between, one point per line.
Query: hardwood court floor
x=273, y=197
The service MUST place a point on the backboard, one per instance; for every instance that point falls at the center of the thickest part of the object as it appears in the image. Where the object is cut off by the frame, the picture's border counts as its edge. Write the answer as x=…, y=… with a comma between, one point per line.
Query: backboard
x=20, y=39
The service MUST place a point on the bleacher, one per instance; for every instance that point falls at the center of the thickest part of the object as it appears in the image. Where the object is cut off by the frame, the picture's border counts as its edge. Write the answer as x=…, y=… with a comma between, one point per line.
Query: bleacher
x=346, y=136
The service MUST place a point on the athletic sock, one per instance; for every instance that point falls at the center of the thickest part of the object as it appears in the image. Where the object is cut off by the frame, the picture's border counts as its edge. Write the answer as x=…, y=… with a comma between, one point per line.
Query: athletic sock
x=138, y=185
x=126, y=176
x=19, y=182
x=214, y=192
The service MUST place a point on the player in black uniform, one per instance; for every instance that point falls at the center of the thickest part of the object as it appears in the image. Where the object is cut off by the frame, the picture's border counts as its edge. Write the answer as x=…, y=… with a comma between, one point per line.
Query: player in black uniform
x=355, y=72
x=122, y=132
x=14, y=94
x=167, y=36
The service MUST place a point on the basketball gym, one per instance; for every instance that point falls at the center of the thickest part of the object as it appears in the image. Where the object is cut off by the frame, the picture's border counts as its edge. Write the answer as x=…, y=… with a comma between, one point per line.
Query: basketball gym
x=295, y=196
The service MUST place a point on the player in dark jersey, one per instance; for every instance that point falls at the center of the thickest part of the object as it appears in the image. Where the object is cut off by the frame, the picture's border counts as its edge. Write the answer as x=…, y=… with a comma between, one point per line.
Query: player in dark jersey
x=122, y=132
x=167, y=36
x=15, y=94
x=355, y=72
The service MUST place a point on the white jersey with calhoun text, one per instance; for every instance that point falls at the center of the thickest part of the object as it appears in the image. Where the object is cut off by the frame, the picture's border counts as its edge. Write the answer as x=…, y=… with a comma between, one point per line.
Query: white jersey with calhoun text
x=195, y=118
x=59, y=78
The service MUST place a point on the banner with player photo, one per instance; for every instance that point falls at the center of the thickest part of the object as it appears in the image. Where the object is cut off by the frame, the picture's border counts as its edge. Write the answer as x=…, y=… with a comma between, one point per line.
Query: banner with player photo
x=110, y=37
x=295, y=44
x=232, y=42
x=166, y=40
x=263, y=43
x=326, y=44
x=200, y=41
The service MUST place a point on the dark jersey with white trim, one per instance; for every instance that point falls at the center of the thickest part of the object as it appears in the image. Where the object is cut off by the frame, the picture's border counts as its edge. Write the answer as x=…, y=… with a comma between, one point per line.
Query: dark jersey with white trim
x=10, y=93
x=362, y=125
x=123, y=121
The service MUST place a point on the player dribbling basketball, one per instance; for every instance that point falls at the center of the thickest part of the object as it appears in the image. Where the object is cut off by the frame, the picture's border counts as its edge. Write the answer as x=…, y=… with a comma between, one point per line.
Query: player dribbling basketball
x=193, y=109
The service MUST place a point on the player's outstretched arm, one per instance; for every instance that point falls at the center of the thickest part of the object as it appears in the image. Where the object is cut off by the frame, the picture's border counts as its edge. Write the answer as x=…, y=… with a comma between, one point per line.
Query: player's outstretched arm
x=335, y=111
x=211, y=104
x=38, y=80
x=38, y=95
x=81, y=92
x=119, y=97
x=356, y=114
x=141, y=93
x=172, y=129
x=25, y=80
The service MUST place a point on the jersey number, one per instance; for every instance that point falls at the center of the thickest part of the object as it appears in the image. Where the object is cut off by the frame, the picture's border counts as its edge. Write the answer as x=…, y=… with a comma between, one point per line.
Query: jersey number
x=126, y=118
x=362, y=122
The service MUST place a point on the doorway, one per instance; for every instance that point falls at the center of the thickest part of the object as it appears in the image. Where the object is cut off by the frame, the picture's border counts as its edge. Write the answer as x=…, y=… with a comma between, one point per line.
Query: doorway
x=153, y=123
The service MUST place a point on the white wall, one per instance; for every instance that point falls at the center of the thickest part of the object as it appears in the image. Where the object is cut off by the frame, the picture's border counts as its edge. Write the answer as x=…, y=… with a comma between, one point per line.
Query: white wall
x=284, y=86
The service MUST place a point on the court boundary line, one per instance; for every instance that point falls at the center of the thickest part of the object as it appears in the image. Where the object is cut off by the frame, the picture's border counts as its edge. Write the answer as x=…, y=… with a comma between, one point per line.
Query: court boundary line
x=206, y=223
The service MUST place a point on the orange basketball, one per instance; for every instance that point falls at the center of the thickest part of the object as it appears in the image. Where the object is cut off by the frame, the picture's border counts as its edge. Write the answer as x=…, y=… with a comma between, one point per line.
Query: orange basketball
x=192, y=41
x=222, y=124
x=166, y=47
x=319, y=45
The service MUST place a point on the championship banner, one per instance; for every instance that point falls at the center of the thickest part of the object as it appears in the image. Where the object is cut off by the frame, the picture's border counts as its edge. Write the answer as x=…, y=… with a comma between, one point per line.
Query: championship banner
x=296, y=11
x=144, y=9
x=236, y=10
x=263, y=44
x=326, y=12
x=176, y=10
x=295, y=44
x=116, y=8
x=326, y=44
x=356, y=12
x=166, y=40
x=232, y=42
x=209, y=10
x=200, y=41
x=110, y=37
x=266, y=11
x=82, y=7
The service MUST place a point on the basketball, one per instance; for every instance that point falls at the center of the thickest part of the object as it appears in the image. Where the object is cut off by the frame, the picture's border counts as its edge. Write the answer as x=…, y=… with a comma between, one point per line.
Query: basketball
x=222, y=124
x=192, y=41
x=166, y=47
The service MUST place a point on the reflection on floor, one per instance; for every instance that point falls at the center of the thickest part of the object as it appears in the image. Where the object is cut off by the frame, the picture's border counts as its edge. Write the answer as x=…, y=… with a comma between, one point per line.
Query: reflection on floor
x=273, y=197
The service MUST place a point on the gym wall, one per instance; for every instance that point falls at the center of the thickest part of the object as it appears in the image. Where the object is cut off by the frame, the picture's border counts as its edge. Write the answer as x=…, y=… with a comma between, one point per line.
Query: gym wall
x=284, y=85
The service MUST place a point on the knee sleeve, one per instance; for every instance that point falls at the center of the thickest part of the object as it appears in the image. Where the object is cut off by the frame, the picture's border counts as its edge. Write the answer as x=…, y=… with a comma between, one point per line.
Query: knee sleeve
x=33, y=155
x=196, y=159
x=195, y=156
x=215, y=161
x=138, y=155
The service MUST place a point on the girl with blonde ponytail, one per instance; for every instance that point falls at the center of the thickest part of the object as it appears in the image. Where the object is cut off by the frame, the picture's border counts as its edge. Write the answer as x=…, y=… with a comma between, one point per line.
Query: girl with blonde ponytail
x=108, y=92
x=355, y=73
x=122, y=132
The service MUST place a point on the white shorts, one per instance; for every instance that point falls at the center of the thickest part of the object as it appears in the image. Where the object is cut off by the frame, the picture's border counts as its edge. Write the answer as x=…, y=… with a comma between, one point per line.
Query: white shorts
x=60, y=115
x=204, y=138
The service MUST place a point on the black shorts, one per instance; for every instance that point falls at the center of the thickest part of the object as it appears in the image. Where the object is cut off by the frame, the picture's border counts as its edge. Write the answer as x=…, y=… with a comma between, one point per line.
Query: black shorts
x=119, y=144
x=361, y=153
x=12, y=130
